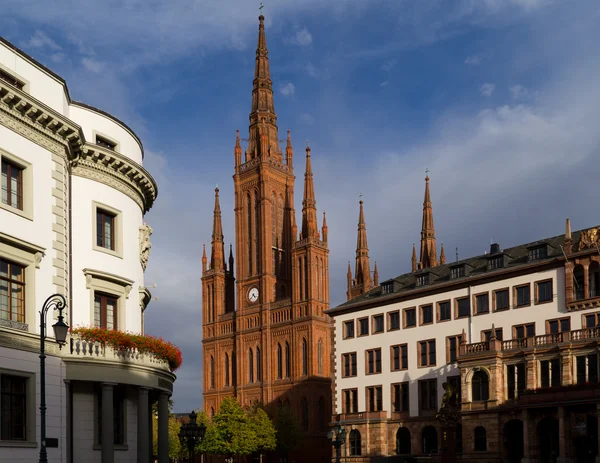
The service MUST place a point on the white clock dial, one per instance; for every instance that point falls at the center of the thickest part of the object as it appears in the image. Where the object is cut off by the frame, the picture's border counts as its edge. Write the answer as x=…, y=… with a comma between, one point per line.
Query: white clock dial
x=253, y=295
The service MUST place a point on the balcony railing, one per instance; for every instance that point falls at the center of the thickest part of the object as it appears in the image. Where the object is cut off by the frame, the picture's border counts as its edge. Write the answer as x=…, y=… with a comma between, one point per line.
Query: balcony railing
x=543, y=340
x=95, y=351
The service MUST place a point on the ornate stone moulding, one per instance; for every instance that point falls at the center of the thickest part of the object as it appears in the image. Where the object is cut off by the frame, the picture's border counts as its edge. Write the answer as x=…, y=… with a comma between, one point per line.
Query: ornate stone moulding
x=41, y=124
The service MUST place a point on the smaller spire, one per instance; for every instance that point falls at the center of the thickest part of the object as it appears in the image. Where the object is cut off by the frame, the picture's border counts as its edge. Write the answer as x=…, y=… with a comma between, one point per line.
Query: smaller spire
x=204, y=259
x=237, y=151
x=324, y=229
x=289, y=151
x=568, y=248
x=414, y=259
x=375, y=275
x=230, y=258
x=309, y=204
x=568, y=230
x=217, y=258
x=442, y=256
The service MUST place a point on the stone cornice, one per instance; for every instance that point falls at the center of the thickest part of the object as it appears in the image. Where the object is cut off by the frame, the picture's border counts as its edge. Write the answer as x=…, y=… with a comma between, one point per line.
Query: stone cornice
x=41, y=124
x=26, y=341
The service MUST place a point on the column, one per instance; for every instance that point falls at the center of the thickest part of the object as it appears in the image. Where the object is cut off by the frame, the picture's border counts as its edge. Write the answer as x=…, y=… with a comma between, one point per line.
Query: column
x=143, y=443
x=562, y=440
x=108, y=432
x=527, y=457
x=69, y=415
x=163, y=428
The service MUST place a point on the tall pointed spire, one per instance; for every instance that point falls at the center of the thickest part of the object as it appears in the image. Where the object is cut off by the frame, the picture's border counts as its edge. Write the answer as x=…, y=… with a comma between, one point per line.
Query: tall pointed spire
x=230, y=258
x=375, y=275
x=289, y=151
x=428, y=256
x=237, y=151
x=263, y=120
x=204, y=259
x=217, y=257
x=324, y=229
x=442, y=256
x=309, y=204
x=414, y=259
x=363, y=268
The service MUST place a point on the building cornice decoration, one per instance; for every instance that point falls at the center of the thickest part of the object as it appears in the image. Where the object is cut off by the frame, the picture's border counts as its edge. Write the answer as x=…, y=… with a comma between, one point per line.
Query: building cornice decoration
x=37, y=251
x=589, y=239
x=91, y=274
x=145, y=297
x=51, y=130
x=27, y=341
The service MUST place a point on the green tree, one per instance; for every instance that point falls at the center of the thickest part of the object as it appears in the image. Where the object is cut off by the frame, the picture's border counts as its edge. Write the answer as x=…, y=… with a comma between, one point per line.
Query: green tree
x=175, y=449
x=231, y=433
x=263, y=429
x=288, y=433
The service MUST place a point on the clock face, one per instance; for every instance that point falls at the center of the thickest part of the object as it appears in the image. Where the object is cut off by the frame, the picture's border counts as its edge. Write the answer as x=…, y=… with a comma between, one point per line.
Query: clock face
x=253, y=295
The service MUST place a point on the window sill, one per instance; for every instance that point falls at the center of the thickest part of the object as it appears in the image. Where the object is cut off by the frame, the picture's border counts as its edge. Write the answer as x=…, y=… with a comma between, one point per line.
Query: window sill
x=108, y=251
x=117, y=447
x=544, y=302
x=20, y=212
x=18, y=443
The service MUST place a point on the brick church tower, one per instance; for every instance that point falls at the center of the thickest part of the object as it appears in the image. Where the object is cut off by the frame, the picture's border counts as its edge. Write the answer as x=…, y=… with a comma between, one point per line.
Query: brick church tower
x=273, y=343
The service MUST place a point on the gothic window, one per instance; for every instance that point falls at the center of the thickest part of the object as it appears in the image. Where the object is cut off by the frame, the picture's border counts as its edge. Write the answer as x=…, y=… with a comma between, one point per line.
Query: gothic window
x=304, y=358
x=233, y=369
x=273, y=220
x=258, y=365
x=320, y=357
x=250, y=366
x=287, y=359
x=355, y=447
x=280, y=221
x=279, y=362
x=257, y=231
x=226, y=370
x=249, y=234
x=317, y=280
x=212, y=372
x=306, y=276
x=304, y=406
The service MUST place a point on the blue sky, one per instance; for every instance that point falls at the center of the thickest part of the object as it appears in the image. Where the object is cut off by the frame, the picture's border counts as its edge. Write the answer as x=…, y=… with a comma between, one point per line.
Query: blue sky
x=498, y=98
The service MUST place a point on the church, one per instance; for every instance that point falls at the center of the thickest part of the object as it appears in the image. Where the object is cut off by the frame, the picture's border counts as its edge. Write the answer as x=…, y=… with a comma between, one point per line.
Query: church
x=265, y=335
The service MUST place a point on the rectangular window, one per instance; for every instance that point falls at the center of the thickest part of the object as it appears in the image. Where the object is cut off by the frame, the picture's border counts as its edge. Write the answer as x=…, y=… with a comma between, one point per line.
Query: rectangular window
x=12, y=291
x=426, y=314
x=377, y=324
x=105, y=311
x=9, y=79
x=374, y=399
x=428, y=395
x=444, y=311
x=399, y=357
x=523, y=294
x=463, y=307
x=482, y=303
x=349, y=329
x=363, y=326
x=394, y=321
x=501, y=300
x=457, y=272
x=118, y=416
x=587, y=368
x=410, y=318
x=591, y=320
x=12, y=184
x=524, y=331
x=105, y=229
x=426, y=353
x=496, y=263
x=559, y=325
x=13, y=408
x=550, y=373
x=387, y=288
x=486, y=335
x=350, y=400
x=400, y=398
x=105, y=143
x=516, y=379
x=452, y=347
x=544, y=291
x=423, y=280
x=373, y=361
x=538, y=253
x=349, y=362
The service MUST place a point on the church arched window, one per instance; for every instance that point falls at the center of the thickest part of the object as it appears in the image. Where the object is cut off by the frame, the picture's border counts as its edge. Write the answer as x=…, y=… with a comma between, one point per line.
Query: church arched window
x=279, y=361
x=320, y=356
x=250, y=366
x=287, y=359
x=226, y=369
x=304, y=357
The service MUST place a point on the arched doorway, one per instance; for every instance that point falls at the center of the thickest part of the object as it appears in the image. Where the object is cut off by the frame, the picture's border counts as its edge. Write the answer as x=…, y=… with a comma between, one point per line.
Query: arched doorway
x=585, y=438
x=513, y=441
x=403, y=441
x=548, y=440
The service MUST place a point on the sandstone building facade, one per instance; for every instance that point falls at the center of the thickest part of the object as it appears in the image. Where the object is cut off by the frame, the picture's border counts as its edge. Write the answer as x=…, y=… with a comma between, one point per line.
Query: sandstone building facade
x=265, y=335
x=514, y=331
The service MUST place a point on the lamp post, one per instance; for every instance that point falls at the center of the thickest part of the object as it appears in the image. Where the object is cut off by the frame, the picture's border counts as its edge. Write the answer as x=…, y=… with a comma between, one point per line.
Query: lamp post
x=54, y=302
x=337, y=436
x=192, y=434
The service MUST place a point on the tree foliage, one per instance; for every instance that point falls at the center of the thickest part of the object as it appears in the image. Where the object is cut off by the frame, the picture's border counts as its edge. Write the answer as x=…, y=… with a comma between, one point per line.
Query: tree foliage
x=263, y=428
x=288, y=431
x=175, y=449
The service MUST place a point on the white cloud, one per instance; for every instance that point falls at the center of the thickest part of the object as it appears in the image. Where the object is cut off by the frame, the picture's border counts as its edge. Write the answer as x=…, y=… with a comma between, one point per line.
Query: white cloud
x=389, y=65
x=473, y=60
x=303, y=38
x=58, y=57
x=385, y=83
x=487, y=89
x=312, y=71
x=307, y=119
x=518, y=92
x=92, y=65
x=40, y=40
x=287, y=89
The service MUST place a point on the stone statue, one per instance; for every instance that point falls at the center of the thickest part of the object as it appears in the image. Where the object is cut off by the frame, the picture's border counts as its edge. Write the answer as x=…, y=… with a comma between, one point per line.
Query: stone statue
x=449, y=410
x=589, y=239
x=145, y=245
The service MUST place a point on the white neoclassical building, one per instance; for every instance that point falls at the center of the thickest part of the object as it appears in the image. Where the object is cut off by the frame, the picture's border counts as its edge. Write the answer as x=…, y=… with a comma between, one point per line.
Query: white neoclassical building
x=73, y=198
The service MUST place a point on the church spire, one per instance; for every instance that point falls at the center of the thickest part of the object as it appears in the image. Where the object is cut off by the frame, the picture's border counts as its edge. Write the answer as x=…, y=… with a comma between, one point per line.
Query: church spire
x=375, y=275
x=237, y=151
x=428, y=256
x=204, y=259
x=217, y=257
x=362, y=271
x=309, y=204
x=263, y=120
x=289, y=151
x=442, y=256
x=324, y=229
x=414, y=259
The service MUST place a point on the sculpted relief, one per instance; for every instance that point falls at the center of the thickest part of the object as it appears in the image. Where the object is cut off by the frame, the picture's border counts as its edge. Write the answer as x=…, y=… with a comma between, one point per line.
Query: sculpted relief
x=589, y=239
x=145, y=245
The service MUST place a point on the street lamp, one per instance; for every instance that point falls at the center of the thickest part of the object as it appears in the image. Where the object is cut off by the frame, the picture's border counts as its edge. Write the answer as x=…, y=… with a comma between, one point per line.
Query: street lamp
x=192, y=434
x=54, y=302
x=337, y=436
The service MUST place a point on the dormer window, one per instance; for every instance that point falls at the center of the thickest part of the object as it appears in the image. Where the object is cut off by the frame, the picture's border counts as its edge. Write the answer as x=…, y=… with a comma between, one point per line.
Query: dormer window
x=387, y=287
x=457, y=272
x=105, y=143
x=538, y=253
x=9, y=79
x=423, y=280
x=496, y=262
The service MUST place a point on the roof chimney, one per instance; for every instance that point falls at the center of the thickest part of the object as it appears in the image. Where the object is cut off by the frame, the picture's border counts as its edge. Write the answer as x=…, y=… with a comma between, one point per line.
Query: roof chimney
x=494, y=248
